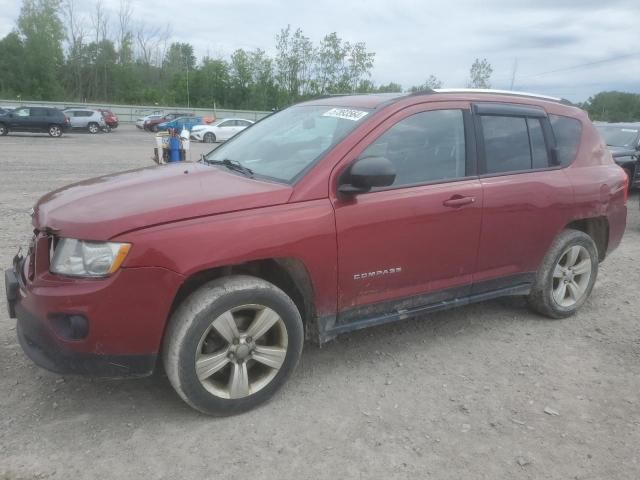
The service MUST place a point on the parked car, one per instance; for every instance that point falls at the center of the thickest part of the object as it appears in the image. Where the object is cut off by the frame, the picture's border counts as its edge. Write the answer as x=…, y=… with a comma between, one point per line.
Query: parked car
x=219, y=131
x=141, y=121
x=110, y=118
x=34, y=119
x=623, y=139
x=152, y=125
x=179, y=123
x=85, y=119
x=326, y=217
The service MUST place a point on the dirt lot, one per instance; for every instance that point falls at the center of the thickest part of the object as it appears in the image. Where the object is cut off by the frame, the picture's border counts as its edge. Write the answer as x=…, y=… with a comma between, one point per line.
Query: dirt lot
x=455, y=395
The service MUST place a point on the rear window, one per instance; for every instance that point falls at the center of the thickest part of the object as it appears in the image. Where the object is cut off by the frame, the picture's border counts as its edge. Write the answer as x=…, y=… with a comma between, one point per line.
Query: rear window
x=567, y=131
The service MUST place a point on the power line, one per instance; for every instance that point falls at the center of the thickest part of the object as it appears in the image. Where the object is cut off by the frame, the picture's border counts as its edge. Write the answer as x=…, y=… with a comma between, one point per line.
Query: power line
x=588, y=64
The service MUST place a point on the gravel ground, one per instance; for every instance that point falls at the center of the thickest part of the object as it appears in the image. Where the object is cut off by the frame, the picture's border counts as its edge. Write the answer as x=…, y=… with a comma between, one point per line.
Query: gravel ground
x=458, y=394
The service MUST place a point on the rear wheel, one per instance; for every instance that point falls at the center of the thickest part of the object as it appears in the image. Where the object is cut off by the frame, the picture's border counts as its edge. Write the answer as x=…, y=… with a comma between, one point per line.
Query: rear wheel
x=232, y=344
x=567, y=275
x=94, y=127
x=154, y=128
x=209, y=138
x=3, y=130
x=55, y=131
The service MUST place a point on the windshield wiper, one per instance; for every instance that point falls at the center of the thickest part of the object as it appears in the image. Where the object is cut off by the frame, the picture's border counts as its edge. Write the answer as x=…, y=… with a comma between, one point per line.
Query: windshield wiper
x=231, y=165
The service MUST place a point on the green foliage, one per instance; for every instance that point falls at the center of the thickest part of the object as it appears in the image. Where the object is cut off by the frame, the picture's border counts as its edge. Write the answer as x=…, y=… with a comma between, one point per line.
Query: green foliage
x=42, y=34
x=614, y=107
x=480, y=74
x=431, y=83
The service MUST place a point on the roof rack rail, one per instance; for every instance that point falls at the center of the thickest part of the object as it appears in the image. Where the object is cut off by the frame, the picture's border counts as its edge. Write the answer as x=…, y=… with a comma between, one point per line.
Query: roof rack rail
x=492, y=91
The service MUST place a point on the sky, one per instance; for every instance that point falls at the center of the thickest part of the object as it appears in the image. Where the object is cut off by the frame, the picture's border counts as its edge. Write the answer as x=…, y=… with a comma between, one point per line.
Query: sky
x=565, y=48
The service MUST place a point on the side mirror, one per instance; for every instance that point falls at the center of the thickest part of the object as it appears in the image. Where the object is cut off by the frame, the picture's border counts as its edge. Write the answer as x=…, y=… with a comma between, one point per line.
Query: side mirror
x=367, y=173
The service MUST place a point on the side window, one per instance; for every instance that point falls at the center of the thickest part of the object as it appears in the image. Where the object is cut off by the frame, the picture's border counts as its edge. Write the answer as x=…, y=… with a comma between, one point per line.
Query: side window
x=243, y=123
x=38, y=112
x=425, y=147
x=567, y=132
x=539, y=153
x=228, y=123
x=506, y=143
x=22, y=112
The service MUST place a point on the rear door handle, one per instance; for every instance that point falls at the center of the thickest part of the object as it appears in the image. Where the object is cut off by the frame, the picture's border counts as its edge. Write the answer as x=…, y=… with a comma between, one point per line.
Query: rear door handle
x=458, y=201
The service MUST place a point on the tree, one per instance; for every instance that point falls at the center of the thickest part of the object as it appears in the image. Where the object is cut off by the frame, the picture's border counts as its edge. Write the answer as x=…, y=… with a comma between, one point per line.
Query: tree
x=614, y=107
x=431, y=83
x=11, y=65
x=42, y=34
x=480, y=74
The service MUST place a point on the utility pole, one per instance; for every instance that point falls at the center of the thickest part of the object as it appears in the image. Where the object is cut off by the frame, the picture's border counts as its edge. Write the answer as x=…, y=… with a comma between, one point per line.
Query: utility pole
x=188, y=98
x=513, y=73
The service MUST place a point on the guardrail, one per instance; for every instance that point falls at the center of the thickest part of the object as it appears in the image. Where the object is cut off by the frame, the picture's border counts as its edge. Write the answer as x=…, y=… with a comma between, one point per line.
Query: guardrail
x=130, y=113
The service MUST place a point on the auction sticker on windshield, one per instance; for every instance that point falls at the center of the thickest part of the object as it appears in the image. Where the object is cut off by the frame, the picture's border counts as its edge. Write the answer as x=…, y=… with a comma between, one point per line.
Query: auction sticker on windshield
x=345, y=113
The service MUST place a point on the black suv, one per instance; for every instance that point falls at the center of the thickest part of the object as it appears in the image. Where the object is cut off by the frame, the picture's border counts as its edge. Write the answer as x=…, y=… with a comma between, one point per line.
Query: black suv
x=34, y=119
x=623, y=139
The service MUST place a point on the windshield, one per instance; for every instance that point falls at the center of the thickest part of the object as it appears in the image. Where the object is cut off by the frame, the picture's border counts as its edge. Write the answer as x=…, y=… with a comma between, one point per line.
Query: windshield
x=616, y=136
x=285, y=144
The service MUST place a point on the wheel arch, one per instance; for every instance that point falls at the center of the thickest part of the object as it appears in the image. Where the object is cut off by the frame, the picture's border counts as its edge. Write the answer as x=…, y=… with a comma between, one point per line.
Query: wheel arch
x=597, y=228
x=287, y=273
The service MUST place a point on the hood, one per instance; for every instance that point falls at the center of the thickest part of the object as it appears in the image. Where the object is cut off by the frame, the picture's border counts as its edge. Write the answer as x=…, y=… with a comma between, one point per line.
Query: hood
x=103, y=207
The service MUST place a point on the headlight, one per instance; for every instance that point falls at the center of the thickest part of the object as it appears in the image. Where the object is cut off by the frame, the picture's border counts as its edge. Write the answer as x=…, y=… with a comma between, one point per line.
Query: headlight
x=78, y=258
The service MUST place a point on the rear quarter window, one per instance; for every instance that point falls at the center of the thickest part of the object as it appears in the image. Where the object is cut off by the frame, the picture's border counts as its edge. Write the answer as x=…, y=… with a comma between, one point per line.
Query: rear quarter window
x=567, y=131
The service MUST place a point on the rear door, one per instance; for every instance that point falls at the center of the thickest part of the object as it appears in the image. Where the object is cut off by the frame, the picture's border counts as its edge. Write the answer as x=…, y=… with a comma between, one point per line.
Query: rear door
x=413, y=243
x=527, y=198
x=39, y=118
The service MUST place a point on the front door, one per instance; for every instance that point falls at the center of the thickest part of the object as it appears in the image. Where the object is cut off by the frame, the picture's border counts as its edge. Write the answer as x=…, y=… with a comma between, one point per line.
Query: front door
x=413, y=243
x=20, y=119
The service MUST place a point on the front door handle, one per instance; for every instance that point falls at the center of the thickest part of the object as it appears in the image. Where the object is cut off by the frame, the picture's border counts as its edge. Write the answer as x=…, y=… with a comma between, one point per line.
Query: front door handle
x=458, y=201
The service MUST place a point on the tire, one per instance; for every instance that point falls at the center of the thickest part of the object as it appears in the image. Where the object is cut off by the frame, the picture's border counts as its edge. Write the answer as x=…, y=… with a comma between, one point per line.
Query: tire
x=106, y=129
x=154, y=128
x=548, y=296
x=54, y=131
x=194, y=336
x=209, y=138
x=3, y=130
x=93, y=128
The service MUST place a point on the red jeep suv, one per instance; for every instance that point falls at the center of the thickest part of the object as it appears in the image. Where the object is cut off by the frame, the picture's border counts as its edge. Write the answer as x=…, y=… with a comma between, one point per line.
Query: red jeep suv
x=327, y=217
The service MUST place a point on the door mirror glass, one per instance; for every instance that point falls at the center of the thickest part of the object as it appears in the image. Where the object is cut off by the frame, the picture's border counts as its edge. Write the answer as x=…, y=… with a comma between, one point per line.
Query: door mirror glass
x=367, y=173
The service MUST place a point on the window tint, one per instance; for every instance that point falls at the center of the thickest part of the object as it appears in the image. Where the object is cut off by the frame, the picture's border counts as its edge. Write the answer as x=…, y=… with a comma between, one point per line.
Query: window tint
x=243, y=123
x=567, y=132
x=38, y=112
x=228, y=123
x=538, y=146
x=506, y=144
x=425, y=147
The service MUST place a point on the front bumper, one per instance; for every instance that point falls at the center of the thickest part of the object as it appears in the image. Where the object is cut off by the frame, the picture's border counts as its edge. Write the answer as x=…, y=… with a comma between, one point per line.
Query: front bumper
x=197, y=135
x=126, y=315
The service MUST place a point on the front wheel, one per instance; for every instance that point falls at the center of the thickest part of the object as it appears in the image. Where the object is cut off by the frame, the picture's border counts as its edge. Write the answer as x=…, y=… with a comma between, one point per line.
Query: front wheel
x=55, y=131
x=3, y=130
x=209, y=138
x=106, y=129
x=567, y=275
x=232, y=344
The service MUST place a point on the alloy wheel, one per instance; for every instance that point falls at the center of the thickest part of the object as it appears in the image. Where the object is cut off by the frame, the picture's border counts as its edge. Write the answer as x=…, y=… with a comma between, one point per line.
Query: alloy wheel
x=55, y=131
x=571, y=276
x=241, y=351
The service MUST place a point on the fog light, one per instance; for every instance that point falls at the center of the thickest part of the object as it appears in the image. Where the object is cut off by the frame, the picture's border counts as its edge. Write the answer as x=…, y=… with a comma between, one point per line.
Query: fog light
x=71, y=327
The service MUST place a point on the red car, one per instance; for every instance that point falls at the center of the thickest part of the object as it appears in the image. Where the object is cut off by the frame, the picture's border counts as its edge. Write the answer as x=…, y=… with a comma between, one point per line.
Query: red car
x=152, y=125
x=110, y=118
x=327, y=217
